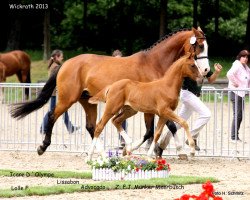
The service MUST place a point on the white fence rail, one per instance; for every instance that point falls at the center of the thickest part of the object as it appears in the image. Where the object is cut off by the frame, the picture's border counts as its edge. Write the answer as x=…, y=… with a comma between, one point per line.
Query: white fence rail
x=24, y=135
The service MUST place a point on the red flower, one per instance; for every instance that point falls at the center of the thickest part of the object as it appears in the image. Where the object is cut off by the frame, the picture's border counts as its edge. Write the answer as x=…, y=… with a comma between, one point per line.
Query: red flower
x=209, y=188
x=161, y=162
x=208, y=192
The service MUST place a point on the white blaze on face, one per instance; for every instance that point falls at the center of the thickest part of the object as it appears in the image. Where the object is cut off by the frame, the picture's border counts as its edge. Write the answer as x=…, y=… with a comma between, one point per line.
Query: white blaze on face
x=203, y=62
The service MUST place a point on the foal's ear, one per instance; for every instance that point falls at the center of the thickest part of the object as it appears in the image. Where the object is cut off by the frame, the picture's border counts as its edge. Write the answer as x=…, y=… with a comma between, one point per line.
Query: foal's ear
x=190, y=55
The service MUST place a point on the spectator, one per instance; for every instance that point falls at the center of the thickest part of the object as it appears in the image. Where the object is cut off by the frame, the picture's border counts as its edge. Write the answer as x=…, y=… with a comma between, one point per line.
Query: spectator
x=55, y=62
x=239, y=78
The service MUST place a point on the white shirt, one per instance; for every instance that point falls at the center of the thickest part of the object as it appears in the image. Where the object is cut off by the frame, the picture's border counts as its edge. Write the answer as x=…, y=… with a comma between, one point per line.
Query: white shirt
x=239, y=75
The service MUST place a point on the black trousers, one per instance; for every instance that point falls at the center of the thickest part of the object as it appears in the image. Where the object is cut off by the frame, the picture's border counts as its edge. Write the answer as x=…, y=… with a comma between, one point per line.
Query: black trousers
x=238, y=107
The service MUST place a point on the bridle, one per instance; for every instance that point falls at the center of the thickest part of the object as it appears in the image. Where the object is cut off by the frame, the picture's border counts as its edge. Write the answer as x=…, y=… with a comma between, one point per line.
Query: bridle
x=193, y=42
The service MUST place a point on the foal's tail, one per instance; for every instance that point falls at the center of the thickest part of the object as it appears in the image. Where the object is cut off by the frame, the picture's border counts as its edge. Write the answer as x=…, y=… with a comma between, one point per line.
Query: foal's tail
x=100, y=96
x=20, y=110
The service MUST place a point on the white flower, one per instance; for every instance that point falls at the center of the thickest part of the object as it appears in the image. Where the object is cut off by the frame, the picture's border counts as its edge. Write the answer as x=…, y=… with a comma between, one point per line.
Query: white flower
x=129, y=167
x=100, y=161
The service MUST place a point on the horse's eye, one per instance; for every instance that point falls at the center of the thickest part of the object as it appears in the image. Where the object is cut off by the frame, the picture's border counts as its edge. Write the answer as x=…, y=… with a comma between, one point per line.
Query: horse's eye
x=201, y=46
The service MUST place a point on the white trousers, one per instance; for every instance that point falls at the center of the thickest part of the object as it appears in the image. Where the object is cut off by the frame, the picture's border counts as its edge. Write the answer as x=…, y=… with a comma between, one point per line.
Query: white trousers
x=190, y=104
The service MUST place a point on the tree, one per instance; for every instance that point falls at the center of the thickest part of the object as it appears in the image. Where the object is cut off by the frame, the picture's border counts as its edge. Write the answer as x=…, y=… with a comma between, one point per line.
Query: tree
x=195, y=13
x=46, y=34
x=163, y=17
x=15, y=35
x=248, y=27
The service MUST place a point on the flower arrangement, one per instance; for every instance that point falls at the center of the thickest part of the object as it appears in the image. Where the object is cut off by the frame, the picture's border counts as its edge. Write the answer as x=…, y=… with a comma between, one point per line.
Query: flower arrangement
x=114, y=167
x=128, y=163
x=207, y=194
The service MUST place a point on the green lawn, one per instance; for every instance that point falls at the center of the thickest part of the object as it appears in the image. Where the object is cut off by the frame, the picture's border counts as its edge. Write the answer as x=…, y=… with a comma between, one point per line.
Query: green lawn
x=91, y=187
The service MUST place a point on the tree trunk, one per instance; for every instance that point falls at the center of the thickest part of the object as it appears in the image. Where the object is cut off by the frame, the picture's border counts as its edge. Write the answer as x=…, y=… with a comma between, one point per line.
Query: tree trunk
x=216, y=19
x=163, y=19
x=248, y=27
x=195, y=13
x=46, y=34
x=15, y=35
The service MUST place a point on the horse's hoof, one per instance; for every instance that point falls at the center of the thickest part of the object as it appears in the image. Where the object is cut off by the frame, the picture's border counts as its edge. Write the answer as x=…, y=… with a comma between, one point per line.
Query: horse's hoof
x=192, y=154
x=183, y=156
x=124, y=152
x=40, y=151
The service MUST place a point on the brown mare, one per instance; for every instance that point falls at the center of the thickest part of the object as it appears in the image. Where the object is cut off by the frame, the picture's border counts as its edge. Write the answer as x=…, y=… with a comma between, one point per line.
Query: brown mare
x=85, y=75
x=15, y=62
x=159, y=97
x=2, y=72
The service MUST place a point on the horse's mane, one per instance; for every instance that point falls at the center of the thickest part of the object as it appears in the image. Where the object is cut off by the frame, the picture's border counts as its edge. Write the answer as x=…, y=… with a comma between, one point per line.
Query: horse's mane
x=167, y=37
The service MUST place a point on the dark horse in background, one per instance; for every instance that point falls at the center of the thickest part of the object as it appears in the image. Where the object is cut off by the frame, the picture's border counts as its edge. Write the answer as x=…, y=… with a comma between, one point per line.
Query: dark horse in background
x=85, y=75
x=15, y=62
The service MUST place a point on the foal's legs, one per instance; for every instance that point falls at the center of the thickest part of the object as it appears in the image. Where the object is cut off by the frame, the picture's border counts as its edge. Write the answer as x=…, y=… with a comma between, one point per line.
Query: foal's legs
x=169, y=114
x=149, y=122
x=159, y=128
x=125, y=113
x=109, y=111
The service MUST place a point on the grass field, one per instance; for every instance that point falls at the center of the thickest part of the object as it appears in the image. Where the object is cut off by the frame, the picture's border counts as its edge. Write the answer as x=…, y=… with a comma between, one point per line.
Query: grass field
x=39, y=70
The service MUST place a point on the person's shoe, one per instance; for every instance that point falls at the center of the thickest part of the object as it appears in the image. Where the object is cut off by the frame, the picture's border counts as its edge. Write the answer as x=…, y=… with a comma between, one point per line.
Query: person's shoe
x=238, y=140
x=158, y=150
x=197, y=148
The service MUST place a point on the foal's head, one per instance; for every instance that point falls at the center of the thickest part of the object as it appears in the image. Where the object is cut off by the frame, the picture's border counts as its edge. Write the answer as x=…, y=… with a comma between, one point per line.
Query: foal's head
x=188, y=67
x=197, y=44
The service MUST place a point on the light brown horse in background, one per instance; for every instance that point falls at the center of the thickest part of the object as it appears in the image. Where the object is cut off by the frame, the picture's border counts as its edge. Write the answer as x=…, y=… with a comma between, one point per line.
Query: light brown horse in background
x=2, y=72
x=158, y=97
x=16, y=62
x=85, y=75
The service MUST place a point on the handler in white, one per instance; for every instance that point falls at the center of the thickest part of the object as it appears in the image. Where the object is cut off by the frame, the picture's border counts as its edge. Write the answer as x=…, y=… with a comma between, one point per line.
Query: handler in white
x=191, y=102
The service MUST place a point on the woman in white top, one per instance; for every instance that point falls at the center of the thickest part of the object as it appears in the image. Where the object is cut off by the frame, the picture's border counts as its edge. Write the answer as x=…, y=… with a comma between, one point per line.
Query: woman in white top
x=239, y=78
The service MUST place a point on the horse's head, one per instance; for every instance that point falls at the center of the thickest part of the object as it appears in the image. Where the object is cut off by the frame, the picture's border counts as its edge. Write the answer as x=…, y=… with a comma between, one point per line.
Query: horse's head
x=189, y=67
x=197, y=44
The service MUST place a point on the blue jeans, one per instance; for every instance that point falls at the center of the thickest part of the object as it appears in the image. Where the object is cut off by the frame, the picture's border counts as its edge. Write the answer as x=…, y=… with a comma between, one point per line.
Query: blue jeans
x=238, y=107
x=44, y=125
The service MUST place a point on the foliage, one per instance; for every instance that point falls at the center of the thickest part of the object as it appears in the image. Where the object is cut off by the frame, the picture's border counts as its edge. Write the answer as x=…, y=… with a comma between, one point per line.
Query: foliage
x=113, y=24
x=129, y=163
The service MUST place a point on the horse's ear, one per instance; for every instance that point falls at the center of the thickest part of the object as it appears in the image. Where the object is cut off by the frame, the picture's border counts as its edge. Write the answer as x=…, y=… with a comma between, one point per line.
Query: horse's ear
x=196, y=32
x=199, y=29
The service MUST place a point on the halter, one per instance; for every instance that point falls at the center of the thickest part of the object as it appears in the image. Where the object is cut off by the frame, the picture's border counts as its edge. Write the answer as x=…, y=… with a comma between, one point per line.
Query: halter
x=193, y=42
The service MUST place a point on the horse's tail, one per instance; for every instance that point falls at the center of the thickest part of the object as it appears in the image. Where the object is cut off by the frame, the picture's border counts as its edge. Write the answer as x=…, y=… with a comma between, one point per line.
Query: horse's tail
x=20, y=110
x=100, y=96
